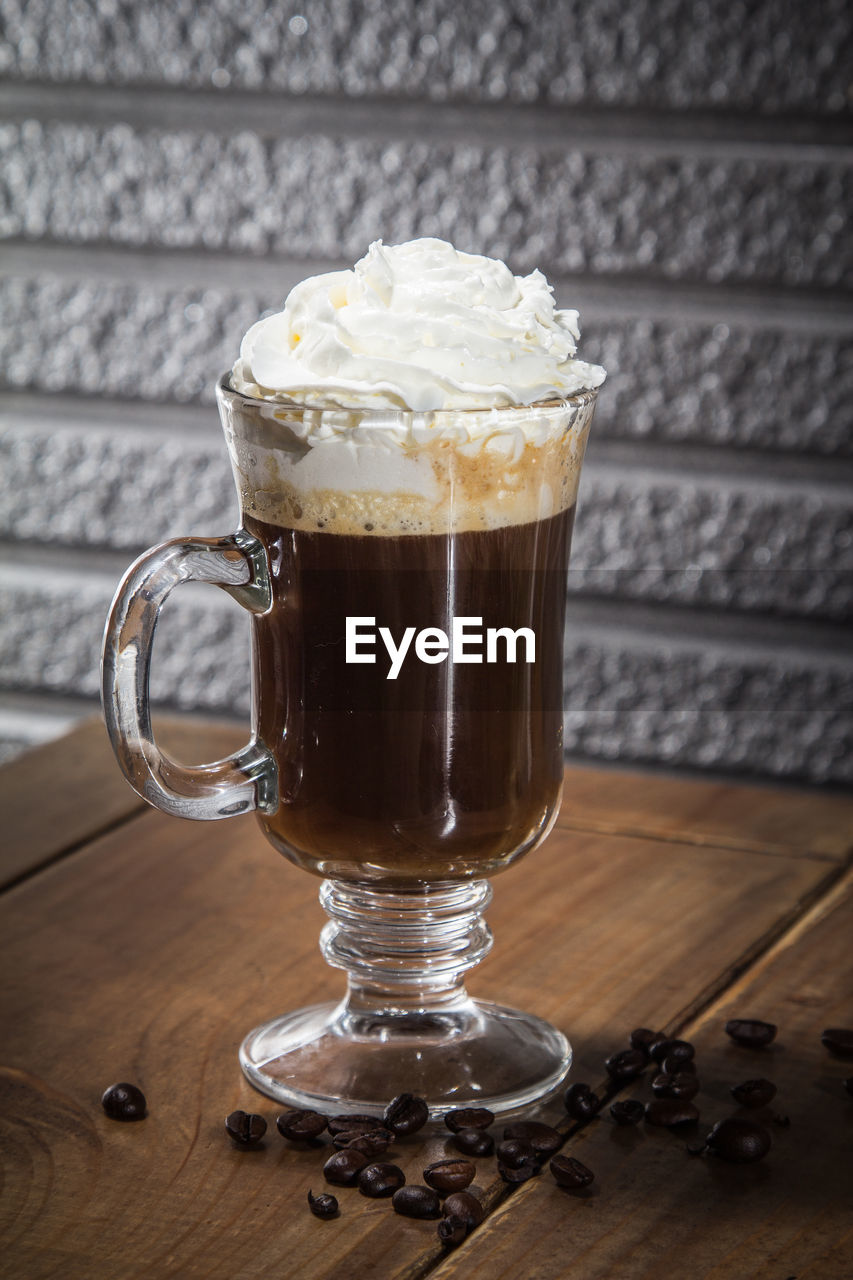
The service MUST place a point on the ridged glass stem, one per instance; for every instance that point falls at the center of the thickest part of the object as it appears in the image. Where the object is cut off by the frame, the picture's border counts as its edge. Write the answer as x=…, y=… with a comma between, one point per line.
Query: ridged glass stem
x=405, y=953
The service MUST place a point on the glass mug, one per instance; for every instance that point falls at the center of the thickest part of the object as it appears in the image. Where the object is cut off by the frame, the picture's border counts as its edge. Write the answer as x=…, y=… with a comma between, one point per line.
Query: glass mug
x=406, y=578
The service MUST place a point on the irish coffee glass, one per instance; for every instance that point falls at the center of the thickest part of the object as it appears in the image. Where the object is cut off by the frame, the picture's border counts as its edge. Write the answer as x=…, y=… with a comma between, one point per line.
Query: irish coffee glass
x=406, y=578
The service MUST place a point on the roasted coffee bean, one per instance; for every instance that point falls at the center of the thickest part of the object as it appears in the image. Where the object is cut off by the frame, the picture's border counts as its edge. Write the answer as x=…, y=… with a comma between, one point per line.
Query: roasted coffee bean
x=473, y=1142
x=469, y=1118
x=322, y=1206
x=520, y=1173
x=754, y=1093
x=245, y=1130
x=839, y=1041
x=514, y=1152
x=626, y=1065
x=738, y=1141
x=628, y=1112
x=415, y=1201
x=300, y=1126
x=462, y=1204
x=375, y=1142
x=750, y=1033
x=450, y=1174
x=671, y=1113
x=452, y=1231
x=343, y=1167
x=662, y=1038
x=544, y=1139
x=124, y=1102
x=406, y=1114
x=681, y=1050
x=354, y=1123
x=684, y=1085
x=581, y=1102
x=675, y=1066
x=642, y=1038
x=377, y=1180
x=569, y=1172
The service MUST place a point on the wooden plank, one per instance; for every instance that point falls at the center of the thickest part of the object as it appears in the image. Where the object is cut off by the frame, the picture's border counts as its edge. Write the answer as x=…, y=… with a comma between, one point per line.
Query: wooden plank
x=659, y=1211
x=761, y=819
x=146, y=956
x=71, y=789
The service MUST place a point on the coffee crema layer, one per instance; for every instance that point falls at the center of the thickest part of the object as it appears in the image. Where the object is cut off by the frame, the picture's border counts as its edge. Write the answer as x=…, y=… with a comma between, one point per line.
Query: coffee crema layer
x=392, y=473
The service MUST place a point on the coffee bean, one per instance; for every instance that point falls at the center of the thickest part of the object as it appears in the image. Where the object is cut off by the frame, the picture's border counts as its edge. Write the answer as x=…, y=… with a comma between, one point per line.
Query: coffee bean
x=839, y=1041
x=569, y=1172
x=754, y=1093
x=738, y=1141
x=462, y=1204
x=452, y=1231
x=343, y=1167
x=244, y=1129
x=415, y=1201
x=377, y=1180
x=581, y=1102
x=671, y=1113
x=684, y=1085
x=626, y=1065
x=374, y=1142
x=544, y=1139
x=124, y=1102
x=520, y=1173
x=359, y=1123
x=751, y=1033
x=642, y=1038
x=450, y=1174
x=469, y=1118
x=628, y=1112
x=681, y=1050
x=696, y=1148
x=406, y=1114
x=514, y=1152
x=675, y=1066
x=323, y=1206
x=300, y=1126
x=473, y=1142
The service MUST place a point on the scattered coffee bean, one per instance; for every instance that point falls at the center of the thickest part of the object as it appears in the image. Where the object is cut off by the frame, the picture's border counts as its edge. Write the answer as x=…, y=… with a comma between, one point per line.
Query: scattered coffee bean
x=462, y=1204
x=662, y=1038
x=626, y=1065
x=543, y=1138
x=415, y=1201
x=337, y=1124
x=343, y=1167
x=839, y=1041
x=628, y=1112
x=848, y=1084
x=569, y=1172
x=514, y=1152
x=450, y=1174
x=469, y=1118
x=244, y=1129
x=751, y=1033
x=322, y=1206
x=300, y=1126
x=643, y=1038
x=406, y=1114
x=377, y=1180
x=473, y=1142
x=581, y=1102
x=374, y=1142
x=671, y=1113
x=521, y=1173
x=124, y=1102
x=675, y=1066
x=452, y=1231
x=754, y=1093
x=684, y=1085
x=681, y=1050
x=738, y=1141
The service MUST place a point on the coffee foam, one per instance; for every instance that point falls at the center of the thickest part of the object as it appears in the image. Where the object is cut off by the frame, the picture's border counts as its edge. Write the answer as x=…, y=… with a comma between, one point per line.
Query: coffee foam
x=404, y=473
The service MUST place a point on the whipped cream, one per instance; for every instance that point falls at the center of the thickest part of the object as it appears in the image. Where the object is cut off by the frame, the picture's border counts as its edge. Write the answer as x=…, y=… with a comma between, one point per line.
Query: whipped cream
x=417, y=326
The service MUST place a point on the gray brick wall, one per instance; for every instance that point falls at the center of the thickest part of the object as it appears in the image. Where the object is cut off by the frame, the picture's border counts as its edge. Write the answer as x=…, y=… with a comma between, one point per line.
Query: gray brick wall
x=682, y=172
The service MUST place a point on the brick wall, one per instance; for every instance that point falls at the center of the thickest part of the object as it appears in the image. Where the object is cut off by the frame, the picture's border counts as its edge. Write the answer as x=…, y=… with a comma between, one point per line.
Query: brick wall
x=682, y=172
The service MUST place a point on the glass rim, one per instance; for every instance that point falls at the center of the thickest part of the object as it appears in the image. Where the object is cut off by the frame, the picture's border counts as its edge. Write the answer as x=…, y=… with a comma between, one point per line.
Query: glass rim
x=577, y=400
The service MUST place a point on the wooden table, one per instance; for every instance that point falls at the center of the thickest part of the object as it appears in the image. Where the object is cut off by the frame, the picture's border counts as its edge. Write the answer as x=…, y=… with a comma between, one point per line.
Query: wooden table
x=654, y=902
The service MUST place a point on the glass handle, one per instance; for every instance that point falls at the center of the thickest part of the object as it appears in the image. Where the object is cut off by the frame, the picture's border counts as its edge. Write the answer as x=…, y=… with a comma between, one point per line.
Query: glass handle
x=244, y=781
